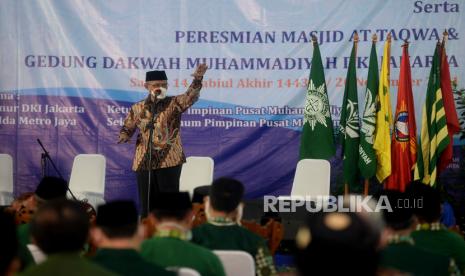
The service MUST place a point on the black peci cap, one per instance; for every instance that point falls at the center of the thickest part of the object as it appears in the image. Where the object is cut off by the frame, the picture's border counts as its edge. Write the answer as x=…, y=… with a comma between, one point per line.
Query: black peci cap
x=155, y=75
x=116, y=213
x=226, y=194
x=171, y=201
x=51, y=187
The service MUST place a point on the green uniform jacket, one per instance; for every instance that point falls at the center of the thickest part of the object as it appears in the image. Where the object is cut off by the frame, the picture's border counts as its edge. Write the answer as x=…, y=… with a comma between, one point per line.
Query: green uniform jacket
x=175, y=252
x=235, y=237
x=412, y=259
x=66, y=264
x=127, y=262
x=444, y=242
x=23, y=240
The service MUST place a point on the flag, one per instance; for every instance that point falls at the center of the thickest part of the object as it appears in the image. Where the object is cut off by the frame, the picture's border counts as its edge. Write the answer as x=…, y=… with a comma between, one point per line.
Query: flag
x=367, y=159
x=404, y=141
x=317, y=140
x=434, y=134
x=453, y=125
x=382, y=143
x=349, y=126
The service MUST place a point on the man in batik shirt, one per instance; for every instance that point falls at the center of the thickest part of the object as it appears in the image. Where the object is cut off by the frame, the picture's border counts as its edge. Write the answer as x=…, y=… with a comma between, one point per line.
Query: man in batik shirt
x=163, y=115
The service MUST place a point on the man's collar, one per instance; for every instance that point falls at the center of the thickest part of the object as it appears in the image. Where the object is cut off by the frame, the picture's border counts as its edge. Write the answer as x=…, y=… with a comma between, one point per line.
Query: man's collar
x=173, y=230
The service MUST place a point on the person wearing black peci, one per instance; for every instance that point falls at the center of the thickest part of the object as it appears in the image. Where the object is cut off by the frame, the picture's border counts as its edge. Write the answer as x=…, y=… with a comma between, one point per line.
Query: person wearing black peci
x=162, y=114
x=118, y=236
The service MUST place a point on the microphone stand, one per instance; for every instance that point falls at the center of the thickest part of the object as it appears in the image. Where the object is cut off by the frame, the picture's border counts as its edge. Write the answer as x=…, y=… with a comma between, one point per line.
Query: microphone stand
x=43, y=164
x=150, y=146
x=44, y=158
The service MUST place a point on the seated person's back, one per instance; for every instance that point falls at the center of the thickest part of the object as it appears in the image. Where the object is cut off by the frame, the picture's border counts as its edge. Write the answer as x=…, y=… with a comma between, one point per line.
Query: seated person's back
x=223, y=209
x=430, y=234
x=170, y=246
x=401, y=251
x=118, y=236
x=60, y=229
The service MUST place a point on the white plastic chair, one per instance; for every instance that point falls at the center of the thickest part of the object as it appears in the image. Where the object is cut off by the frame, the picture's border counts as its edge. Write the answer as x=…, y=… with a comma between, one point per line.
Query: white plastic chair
x=183, y=271
x=6, y=179
x=87, y=179
x=196, y=172
x=312, y=178
x=236, y=262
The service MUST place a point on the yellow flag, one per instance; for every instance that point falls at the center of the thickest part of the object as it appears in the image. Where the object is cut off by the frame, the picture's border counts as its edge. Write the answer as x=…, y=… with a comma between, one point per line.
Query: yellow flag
x=382, y=144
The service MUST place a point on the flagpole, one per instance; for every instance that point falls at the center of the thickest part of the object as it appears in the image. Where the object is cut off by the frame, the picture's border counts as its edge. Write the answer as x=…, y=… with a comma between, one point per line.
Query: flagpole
x=389, y=37
x=314, y=39
x=366, y=186
x=406, y=43
x=445, y=37
x=355, y=45
x=346, y=185
x=412, y=171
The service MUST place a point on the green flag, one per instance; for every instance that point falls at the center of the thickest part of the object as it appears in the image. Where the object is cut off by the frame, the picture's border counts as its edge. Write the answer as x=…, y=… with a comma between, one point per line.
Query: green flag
x=367, y=159
x=434, y=134
x=317, y=140
x=349, y=128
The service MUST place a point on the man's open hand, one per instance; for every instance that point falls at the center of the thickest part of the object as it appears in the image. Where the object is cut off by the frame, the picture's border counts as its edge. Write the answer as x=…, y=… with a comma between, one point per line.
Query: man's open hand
x=200, y=71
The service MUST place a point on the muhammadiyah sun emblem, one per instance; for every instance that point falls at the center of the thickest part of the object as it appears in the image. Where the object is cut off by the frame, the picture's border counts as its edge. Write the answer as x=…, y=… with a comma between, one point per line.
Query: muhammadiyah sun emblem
x=316, y=107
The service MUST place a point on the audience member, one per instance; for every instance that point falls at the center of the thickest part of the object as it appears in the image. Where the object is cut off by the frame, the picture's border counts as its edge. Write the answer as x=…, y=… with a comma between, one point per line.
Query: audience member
x=60, y=229
x=9, y=262
x=170, y=246
x=336, y=244
x=223, y=209
x=401, y=252
x=430, y=234
x=448, y=215
x=49, y=188
x=118, y=236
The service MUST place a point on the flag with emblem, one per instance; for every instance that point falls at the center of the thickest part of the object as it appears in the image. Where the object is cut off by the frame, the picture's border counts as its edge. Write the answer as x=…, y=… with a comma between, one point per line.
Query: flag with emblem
x=367, y=159
x=404, y=141
x=349, y=128
x=434, y=134
x=382, y=144
x=453, y=125
x=317, y=140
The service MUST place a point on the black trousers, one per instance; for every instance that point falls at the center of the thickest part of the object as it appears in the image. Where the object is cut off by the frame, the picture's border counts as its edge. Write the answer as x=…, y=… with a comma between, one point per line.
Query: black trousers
x=162, y=180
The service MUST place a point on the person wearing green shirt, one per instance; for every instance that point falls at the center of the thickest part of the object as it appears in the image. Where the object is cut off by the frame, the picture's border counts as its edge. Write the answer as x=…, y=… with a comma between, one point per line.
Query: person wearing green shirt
x=336, y=243
x=49, y=188
x=60, y=229
x=118, y=236
x=223, y=209
x=24, y=239
x=170, y=245
x=430, y=234
x=401, y=252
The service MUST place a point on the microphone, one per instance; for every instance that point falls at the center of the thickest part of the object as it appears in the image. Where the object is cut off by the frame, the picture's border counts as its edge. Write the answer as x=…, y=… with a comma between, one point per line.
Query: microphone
x=157, y=94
